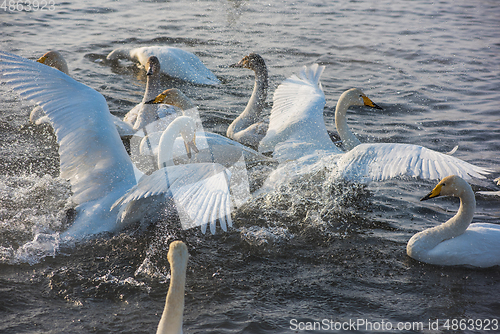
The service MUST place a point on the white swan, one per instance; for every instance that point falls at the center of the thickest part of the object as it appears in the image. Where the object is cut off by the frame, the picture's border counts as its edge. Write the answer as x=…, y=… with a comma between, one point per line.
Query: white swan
x=93, y=158
x=175, y=62
x=457, y=242
x=171, y=319
x=56, y=60
x=212, y=147
x=297, y=132
x=248, y=128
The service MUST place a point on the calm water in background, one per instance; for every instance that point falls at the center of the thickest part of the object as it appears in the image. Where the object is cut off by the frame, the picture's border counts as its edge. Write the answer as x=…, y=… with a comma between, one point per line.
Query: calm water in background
x=434, y=67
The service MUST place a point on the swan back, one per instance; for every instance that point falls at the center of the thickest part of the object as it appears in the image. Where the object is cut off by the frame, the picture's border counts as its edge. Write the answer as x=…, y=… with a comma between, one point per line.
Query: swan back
x=174, y=62
x=171, y=319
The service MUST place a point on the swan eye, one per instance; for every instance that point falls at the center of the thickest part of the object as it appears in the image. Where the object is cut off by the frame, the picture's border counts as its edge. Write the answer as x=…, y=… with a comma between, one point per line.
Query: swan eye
x=444, y=184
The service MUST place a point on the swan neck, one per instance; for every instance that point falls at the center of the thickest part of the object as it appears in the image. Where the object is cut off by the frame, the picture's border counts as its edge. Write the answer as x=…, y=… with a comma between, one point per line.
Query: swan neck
x=166, y=144
x=153, y=88
x=171, y=319
x=422, y=243
x=461, y=221
x=349, y=140
x=255, y=105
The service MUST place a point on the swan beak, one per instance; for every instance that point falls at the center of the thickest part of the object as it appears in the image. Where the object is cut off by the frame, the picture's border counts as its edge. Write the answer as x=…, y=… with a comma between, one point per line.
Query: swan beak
x=244, y=63
x=42, y=59
x=191, y=145
x=157, y=100
x=434, y=193
x=369, y=103
x=236, y=65
x=150, y=70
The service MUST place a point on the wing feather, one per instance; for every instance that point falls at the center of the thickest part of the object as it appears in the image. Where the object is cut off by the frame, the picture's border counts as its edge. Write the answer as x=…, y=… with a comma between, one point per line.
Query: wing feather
x=200, y=192
x=383, y=161
x=297, y=115
x=92, y=155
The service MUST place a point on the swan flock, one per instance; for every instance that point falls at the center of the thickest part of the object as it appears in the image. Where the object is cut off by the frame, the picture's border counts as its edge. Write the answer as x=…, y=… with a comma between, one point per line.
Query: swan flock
x=111, y=192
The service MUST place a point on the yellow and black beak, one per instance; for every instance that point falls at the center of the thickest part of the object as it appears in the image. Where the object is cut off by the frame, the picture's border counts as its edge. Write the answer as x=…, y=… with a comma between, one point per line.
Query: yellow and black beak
x=369, y=103
x=157, y=100
x=434, y=193
x=191, y=145
x=241, y=64
x=42, y=59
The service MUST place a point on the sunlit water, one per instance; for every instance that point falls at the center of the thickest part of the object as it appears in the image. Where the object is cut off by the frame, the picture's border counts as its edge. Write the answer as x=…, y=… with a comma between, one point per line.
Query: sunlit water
x=311, y=251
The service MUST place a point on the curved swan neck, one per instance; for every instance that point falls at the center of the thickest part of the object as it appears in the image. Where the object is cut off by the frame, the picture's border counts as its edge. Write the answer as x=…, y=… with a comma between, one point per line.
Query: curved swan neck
x=461, y=221
x=423, y=242
x=349, y=140
x=255, y=105
x=167, y=140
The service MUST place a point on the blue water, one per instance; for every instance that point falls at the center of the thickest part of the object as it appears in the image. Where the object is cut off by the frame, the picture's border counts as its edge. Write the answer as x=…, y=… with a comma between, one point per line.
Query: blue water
x=432, y=66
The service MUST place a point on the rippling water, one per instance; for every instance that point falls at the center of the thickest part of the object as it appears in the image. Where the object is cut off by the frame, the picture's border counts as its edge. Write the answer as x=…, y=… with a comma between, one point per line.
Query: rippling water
x=308, y=252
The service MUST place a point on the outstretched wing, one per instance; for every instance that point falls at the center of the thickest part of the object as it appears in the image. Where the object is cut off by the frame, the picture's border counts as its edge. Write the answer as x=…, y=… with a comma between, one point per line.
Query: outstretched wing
x=92, y=155
x=297, y=116
x=200, y=192
x=383, y=161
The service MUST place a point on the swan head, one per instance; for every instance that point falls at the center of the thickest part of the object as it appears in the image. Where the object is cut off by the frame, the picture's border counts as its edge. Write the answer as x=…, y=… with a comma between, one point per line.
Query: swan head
x=177, y=253
x=355, y=97
x=174, y=97
x=452, y=185
x=253, y=62
x=153, y=66
x=54, y=59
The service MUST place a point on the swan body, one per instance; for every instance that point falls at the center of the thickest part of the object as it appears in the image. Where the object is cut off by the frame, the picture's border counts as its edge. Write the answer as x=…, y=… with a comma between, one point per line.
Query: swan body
x=171, y=319
x=175, y=62
x=297, y=130
x=212, y=147
x=94, y=160
x=457, y=242
x=248, y=128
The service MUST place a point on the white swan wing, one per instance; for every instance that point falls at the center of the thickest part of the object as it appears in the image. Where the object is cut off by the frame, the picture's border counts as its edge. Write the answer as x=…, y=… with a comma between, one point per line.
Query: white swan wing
x=200, y=192
x=92, y=155
x=297, y=115
x=383, y=161
x=177, y=63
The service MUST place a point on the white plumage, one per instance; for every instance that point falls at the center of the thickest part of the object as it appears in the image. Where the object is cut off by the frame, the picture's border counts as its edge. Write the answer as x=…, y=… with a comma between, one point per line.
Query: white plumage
x=174, y=62
x=92, y=156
